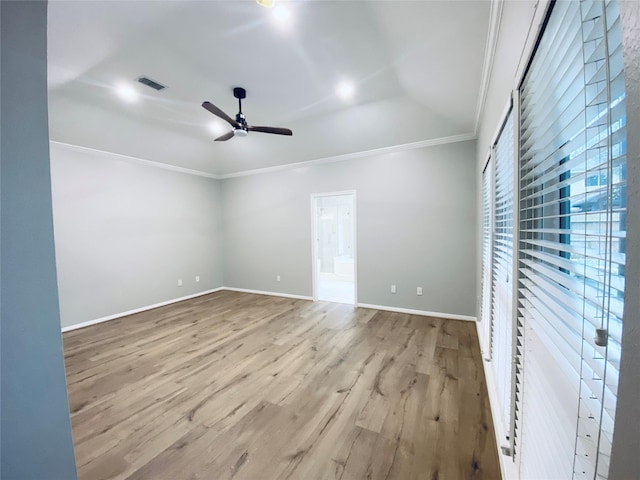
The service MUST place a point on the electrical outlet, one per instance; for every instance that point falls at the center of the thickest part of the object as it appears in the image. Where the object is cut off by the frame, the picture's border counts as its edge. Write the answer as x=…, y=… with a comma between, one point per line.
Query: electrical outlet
x=393, y=289
x=197, y=278
x=419, y=291
x=277, y=278
x=179, y=282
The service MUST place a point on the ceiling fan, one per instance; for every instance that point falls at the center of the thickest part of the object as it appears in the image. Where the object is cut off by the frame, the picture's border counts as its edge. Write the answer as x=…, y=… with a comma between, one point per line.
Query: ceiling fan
x=239, y=125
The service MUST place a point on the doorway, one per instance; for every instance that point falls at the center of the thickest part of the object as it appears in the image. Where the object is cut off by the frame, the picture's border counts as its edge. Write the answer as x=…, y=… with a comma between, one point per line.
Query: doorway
x=334, y=247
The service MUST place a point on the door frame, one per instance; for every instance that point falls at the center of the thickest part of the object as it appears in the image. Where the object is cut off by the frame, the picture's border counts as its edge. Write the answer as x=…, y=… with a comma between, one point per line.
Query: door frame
x=314, y=242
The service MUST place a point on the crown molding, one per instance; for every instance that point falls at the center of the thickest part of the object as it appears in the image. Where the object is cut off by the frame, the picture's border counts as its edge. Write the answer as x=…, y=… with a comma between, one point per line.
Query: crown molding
x=276, y=168
x=352, y=156
x=495, y=16
x=139, y=161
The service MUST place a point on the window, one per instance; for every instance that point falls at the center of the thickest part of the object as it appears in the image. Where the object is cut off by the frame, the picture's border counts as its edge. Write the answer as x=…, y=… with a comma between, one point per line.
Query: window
x=485, y=306
x=572, y=211
x=502, y=274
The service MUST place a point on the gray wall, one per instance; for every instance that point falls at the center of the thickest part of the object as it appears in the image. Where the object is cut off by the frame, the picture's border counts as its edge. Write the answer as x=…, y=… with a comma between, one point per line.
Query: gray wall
x=114, y=219
x=626, y=440
x=416, y=226
x=36, y=432
x=125, y=233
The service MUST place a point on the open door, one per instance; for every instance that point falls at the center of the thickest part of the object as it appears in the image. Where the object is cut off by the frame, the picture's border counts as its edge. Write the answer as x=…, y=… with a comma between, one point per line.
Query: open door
x=334, y=245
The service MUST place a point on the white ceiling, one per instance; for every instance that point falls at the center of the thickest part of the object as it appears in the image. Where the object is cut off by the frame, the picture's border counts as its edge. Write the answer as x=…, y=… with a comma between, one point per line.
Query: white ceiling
x=417, y=67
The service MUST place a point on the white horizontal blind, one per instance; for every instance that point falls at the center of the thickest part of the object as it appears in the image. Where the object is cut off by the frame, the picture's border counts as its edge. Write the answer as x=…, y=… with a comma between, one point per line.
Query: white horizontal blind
x=485, y=306
x=519, y=333
x=501, y=286
x=604, y=207
x=572, y=230
x=550, y=98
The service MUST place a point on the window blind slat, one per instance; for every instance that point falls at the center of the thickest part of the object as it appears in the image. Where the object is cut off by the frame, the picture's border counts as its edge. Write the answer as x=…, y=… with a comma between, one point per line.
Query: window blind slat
x=590, y=253
x=590, y=273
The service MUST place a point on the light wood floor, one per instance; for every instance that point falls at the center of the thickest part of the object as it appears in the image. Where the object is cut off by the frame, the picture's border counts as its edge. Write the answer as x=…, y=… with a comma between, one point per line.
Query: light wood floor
x=242, y=386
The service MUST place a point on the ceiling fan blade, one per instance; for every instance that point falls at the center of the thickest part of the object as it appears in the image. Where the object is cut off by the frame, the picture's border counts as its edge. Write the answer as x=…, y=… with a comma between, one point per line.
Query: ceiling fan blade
x=225, y=137
x=216, y=111
x=276, y=130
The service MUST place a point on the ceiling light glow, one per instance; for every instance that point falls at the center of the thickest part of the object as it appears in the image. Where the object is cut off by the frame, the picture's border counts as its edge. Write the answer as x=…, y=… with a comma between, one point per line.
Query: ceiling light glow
x=217, y=128
x=345, y=90
x=127, y=93
x=266, y=3
x=281, y=14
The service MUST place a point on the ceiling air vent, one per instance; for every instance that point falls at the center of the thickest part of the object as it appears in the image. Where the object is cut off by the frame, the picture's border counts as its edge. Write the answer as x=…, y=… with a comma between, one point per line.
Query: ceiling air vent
x=151, y=83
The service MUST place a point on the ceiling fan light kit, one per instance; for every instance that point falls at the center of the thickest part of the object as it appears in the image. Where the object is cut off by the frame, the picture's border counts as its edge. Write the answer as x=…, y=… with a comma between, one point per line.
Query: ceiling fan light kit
x=239, y=126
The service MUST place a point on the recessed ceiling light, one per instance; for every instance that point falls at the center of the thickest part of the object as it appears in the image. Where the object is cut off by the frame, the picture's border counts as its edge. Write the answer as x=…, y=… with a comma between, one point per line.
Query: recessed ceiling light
x=265, y=3
x=345, y=90
x=126, y=92
x=281, y=14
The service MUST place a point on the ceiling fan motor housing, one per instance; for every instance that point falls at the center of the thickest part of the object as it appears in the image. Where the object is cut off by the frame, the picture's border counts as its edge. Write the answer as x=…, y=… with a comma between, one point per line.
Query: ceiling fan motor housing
x=241, y=130
x=241, y=119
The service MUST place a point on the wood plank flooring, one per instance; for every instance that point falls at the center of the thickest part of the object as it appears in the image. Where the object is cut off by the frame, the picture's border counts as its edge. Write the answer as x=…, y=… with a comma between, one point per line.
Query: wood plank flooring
x=240, y=386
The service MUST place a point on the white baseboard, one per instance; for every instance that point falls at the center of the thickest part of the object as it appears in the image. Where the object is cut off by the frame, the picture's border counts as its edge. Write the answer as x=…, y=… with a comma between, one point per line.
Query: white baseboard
x=507, y=467
x=137, y=310
x=272, y=294
x=261, y=292
x=452, y=316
